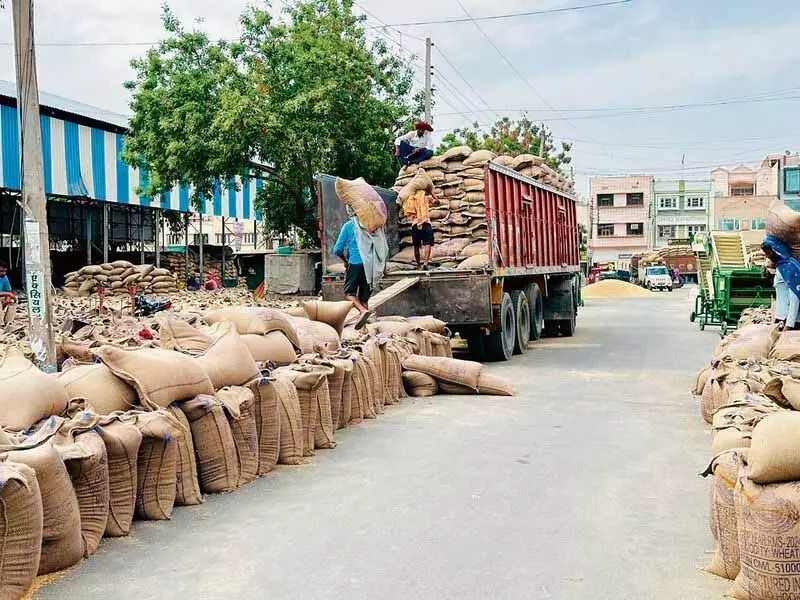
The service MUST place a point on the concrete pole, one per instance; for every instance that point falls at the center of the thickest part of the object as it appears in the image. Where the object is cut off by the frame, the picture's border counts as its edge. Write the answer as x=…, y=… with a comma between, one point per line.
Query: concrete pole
x=157, y=235
x=88, y=238
x=222, y=267
x=202, y=272
x=428, y=86
x=38, y=278
x=106, y=208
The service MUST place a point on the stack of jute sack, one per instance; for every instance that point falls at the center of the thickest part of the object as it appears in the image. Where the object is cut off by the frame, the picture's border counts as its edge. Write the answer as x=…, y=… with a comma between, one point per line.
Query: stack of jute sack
x=118, y=277
x=121, y=434
x=457, y=181
x=750, y=395
x=175, y=262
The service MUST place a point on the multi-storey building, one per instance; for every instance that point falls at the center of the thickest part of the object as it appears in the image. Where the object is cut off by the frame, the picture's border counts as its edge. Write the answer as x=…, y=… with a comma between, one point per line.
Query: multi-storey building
x=681, y=209
x=742, y=195
x=621, y=223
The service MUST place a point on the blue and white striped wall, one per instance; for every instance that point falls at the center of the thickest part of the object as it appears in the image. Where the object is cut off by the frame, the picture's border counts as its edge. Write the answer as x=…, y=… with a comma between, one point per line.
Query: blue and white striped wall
x=85, y=162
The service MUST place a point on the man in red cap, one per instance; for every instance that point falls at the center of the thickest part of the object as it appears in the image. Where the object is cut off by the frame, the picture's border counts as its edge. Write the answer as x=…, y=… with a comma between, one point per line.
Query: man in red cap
x=415, y=146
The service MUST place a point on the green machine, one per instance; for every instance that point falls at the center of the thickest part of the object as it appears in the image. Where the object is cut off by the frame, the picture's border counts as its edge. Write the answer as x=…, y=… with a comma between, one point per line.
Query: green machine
x=728, y=282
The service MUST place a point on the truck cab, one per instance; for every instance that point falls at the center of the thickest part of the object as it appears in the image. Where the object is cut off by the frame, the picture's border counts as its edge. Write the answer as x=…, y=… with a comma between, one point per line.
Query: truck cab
x=658, y=278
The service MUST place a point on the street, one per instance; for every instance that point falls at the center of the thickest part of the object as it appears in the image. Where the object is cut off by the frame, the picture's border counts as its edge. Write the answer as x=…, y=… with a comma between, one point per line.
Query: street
x=583, y=486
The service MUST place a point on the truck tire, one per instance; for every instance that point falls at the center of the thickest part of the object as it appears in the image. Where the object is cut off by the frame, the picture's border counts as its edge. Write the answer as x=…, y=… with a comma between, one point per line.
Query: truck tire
x=500, y=343
x=522, y=317
x=567, y=326
x=537, y=311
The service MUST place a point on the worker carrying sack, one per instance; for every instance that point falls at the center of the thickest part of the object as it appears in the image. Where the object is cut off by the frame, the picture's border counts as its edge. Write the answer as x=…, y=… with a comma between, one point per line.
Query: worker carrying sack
x=365, y=202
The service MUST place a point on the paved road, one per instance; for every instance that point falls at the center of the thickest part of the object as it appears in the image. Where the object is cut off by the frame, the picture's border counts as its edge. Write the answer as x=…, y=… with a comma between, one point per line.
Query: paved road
x=584, y=486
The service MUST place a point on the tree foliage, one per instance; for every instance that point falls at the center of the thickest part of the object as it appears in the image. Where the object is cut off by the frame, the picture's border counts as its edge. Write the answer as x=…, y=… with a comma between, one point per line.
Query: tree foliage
x=507, y=136
x=303, y=92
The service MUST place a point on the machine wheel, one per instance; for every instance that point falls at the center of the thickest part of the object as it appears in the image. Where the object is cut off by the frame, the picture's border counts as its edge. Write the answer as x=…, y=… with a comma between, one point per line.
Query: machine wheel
x=724, y=329
x=702, y=324
x=692, y=317
x=537, y=311
x=500, y=343
x=522, y=317
x=476, y=342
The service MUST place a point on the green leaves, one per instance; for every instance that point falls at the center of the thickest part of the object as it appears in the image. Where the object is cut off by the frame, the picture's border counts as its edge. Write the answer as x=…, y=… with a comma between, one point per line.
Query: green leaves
x=303, y=93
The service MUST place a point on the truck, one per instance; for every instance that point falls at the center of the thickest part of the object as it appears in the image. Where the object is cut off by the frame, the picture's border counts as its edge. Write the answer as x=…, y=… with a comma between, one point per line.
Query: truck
x=530, y=288
x=656, y=277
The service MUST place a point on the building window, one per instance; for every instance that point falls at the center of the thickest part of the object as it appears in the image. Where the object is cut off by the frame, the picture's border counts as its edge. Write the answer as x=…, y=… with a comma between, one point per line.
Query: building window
x=695, y=203
x=635, y=229
x=791, y=181
x=758, y=224
x=668, y=203
x=635, y=199
x=666, y=231
x=729, y=224
x=605, y=200
x=694, y=229
x=605, y=230
x=742, y=189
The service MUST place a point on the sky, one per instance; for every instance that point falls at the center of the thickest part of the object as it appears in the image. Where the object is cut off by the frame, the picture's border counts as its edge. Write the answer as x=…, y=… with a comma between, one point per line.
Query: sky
x=612, y=80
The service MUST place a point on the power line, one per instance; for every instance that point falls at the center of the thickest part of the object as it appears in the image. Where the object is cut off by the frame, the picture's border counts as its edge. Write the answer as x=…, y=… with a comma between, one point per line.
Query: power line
x=528, y=13
x=467, y=83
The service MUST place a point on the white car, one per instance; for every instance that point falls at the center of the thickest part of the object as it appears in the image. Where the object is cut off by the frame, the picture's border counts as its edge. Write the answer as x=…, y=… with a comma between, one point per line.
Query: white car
x=657, y=278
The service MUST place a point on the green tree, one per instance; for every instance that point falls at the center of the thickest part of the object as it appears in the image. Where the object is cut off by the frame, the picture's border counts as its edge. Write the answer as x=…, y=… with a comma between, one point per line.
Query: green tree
x=507, y=136
x=305, y=93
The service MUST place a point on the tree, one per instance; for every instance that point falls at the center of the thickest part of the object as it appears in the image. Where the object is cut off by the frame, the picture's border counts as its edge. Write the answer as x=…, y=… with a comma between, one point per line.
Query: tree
x=304, y=94
x=512, y=137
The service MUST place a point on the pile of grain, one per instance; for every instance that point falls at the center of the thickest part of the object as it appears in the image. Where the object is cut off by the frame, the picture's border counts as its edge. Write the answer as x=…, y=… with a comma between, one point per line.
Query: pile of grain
x=614, y=288
x=118, y=277
x=459, y=220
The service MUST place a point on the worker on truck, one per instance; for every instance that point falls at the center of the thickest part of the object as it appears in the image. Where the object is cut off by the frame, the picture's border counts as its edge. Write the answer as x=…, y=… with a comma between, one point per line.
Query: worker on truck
x=415, y=146
x=417, y=210
x=365, y=255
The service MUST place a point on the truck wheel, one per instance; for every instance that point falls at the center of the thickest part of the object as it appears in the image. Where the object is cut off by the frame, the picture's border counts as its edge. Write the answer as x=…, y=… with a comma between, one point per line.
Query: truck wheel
x=537, y=311
x=500, y=343
x=567, y=327
x=522, y=316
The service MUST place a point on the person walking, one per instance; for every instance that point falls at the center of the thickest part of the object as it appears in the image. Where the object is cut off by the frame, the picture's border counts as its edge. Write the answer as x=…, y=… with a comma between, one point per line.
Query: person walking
x=787, y=281
x=415, y=146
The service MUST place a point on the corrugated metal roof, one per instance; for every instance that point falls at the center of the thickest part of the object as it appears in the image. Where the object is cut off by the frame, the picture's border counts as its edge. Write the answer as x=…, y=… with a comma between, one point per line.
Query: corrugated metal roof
x=9, y=90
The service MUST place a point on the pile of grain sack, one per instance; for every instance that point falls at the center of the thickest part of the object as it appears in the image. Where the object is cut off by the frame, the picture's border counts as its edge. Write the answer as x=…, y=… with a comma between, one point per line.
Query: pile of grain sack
x=175, y=262
x=115, y=278
x=459, y=220
x=750, y=395
x=121, y=434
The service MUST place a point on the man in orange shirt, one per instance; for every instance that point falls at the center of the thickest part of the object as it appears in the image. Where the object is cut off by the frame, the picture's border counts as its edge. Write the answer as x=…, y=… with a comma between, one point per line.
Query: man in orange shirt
x=417, y=208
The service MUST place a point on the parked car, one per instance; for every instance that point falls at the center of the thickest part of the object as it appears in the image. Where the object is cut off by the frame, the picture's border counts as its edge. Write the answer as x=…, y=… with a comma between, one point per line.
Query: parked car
x=658, y=278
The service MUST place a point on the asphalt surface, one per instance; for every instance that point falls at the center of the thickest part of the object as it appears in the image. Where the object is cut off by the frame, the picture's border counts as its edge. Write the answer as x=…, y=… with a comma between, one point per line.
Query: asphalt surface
x=583, y=486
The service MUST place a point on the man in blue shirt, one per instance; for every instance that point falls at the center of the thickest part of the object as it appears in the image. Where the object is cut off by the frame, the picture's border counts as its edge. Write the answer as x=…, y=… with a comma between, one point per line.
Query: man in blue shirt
x=5, y=284
x=356, y=288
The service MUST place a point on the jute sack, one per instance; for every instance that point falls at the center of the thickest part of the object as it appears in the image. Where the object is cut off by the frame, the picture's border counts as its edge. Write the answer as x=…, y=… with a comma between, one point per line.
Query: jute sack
x=157, y=465
x=439, y=344
x=20, y=529
x=479, y=247
x=729, y=438
x=330, y=313
x=477, y=261
x=311, y=382
x=89, y=473
x=256, y=320
x=291, y=419
x=420, y=182
x=420, y=385
x=701, y=379
x=787, y=347
x=457, y=153
x=160, y=377
x=363, y=404
x=783, y=222
x=523, y=161
x=62, y=543
x=768, y=530
x=479, y=157
x=238, y=403
x=462, y=372
x=504, y=160
x=187, y=482
x=217, y=463
x=752, y=341
x=445, y=387
x=725, y=469
x=267, y=414
x=179, y=335
x=392, y=372
x=401, y=328
x=745, y=413
x=316, y=336
x=228, y=361
x=367, y=204
x=122, y=441
x=338, y=370
x=493, y=385
x=27, y=395
x=376, y=374
x=295, y=311
x=273, y=347
x=784, y=390
x=775, y=449
x=104, y=392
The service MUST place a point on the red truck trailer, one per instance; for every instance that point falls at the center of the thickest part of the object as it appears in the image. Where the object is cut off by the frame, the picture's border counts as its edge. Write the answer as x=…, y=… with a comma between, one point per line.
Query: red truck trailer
x=531, y=288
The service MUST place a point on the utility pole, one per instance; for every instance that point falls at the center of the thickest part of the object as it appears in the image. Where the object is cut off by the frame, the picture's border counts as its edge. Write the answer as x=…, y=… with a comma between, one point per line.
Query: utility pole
x=36, y=239
x=428, y=89
x=541, y=140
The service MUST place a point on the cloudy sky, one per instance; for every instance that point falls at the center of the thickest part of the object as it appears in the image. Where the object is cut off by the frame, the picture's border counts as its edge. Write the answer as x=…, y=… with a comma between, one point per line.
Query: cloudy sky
x=615, y=80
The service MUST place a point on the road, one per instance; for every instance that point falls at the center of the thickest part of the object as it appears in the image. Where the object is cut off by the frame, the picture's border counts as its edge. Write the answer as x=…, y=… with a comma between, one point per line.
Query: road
x=583, y=486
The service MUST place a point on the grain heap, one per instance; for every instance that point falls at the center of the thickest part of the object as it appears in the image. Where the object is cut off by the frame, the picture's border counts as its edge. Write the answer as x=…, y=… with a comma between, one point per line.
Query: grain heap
x=127, y=431
x=750, y=396
x=459, y=221
x=614, y=288
x=117, y=277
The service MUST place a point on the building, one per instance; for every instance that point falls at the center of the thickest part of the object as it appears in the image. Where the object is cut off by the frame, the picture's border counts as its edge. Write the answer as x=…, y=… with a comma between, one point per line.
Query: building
x=621, y=222
x=681, y=208
x=742, y=195
x=789, y=180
